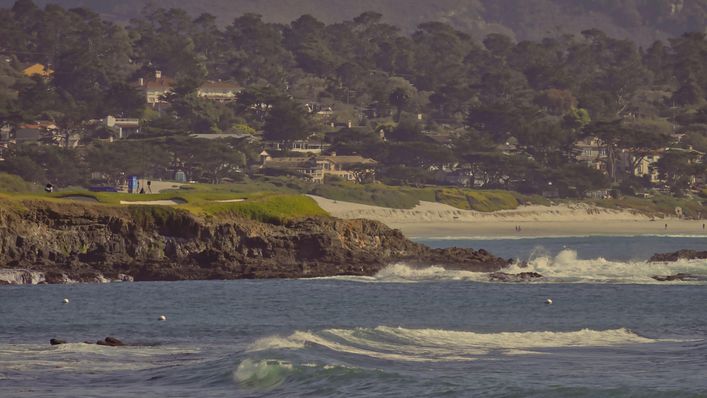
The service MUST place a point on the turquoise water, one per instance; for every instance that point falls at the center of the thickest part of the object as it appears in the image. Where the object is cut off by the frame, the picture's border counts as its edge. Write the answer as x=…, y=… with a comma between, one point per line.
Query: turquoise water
x=405, y=332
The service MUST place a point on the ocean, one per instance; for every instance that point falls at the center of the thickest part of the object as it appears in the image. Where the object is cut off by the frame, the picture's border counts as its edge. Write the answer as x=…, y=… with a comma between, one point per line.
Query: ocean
x=612, y=331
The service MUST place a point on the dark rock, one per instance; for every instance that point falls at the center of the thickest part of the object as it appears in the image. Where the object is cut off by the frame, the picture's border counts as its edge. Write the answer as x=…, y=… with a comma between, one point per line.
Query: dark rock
x=56, y=342
x=85, y=242
x=111, y=342
x=521, y=277
x=680, y=277
x=679, y=255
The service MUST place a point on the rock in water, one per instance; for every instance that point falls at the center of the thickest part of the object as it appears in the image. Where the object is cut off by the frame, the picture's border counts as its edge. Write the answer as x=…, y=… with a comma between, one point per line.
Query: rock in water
x=679, y=277
x=111, y=342
x=521, y=277
x=678, y=255
x=57, y=341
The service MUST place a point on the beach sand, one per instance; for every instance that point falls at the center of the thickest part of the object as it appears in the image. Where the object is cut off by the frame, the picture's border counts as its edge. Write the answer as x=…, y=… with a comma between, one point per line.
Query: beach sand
x=436, y=220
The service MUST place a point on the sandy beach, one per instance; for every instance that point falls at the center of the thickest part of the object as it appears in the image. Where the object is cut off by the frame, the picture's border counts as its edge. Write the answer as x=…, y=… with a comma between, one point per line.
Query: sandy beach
x=436, y=220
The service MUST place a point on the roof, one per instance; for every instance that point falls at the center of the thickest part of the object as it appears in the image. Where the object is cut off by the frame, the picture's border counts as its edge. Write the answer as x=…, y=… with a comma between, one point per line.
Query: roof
x=37, y=69
x=288, y=163
x=212, y=85
x=161, y=84
x=301, y=161
x=353, y=159
x=223, y=135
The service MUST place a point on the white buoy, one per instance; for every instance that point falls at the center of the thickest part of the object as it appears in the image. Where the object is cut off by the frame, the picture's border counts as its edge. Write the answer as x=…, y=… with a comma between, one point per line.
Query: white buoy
x=66, y=301
x=548, y=301
x=163, y=318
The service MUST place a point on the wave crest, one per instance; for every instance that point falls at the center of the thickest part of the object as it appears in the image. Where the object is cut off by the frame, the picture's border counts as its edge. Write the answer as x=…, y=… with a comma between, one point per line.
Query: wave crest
x=564, y=267
x=432, y=345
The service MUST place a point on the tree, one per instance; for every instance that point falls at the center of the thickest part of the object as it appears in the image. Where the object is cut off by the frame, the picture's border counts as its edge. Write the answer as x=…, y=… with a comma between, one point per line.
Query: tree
x=286, y=122
x=399, y=98
x=676, y=168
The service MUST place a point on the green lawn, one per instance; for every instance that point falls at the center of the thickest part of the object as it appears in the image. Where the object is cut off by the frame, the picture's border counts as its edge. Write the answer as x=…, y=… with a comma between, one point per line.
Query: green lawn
x=262, y=206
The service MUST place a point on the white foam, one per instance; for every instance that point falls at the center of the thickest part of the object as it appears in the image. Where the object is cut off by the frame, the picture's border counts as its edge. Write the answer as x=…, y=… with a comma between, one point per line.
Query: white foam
x=83, y=357
x=432, y=345
x=564, y=267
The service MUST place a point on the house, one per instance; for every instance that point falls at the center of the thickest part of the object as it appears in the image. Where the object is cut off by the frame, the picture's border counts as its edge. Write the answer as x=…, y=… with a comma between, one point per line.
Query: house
x=28, y=133
x=156, y=88
x=38, y=70
x=646, y=167
x=317, y=168
x=591, y=151
x=125, y=126
x=301, y=146
x=219, y=91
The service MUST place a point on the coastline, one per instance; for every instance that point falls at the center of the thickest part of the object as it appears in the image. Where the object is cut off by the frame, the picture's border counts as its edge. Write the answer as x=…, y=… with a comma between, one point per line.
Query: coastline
x=436, y=220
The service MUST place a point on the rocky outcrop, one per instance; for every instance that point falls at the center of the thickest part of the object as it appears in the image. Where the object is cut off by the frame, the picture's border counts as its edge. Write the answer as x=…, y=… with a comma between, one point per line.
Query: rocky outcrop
x=520, y=277
x=94, y=243
x=679, y=255
x=680, y=277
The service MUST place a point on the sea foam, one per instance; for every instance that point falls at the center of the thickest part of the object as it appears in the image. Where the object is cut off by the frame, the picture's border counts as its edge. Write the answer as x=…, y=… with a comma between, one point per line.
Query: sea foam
x=432, y=345
x=563, y=267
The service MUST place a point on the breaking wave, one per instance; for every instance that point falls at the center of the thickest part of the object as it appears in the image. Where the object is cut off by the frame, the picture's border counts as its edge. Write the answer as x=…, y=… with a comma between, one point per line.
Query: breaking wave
x=564, y=267
x=431, y=345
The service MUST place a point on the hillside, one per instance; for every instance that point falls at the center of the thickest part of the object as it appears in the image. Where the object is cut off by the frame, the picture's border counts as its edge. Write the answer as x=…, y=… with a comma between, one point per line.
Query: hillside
x=640, y=20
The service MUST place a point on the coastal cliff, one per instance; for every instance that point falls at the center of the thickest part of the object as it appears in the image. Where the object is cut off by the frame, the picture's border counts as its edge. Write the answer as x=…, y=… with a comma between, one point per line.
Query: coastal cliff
x=60, y=242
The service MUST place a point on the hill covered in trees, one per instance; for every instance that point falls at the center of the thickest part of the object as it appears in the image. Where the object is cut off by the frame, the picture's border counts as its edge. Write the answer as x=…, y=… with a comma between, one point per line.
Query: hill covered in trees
x=642, y=21
x=423, y=104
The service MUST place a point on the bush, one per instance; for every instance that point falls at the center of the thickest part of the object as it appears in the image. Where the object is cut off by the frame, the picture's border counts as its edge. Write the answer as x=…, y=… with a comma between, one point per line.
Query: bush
x=13, y=183
x=491, y=200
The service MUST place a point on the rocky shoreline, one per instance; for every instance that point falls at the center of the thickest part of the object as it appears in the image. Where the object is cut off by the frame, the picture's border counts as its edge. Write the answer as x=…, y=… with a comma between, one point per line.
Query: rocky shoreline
x=51, y=242
x=678, y=255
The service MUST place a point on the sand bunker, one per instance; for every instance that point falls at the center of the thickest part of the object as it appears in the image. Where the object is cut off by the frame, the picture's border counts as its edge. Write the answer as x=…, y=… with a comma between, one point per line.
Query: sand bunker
x=169, y=202
x=229, y=200
x=81, y=198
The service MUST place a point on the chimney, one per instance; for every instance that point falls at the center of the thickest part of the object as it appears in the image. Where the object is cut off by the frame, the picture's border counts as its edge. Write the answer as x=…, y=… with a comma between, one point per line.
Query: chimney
x=141, y=82
x=158, y=74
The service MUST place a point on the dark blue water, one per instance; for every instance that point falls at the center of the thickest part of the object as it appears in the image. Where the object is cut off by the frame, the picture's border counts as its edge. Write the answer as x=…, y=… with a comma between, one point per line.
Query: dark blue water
x=442, y=336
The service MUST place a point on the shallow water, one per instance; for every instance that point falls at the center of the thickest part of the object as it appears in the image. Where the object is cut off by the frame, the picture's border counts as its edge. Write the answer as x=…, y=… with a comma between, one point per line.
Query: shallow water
x=437, y=334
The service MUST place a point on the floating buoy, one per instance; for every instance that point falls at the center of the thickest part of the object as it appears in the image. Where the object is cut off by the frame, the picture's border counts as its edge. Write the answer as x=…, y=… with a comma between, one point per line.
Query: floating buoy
x=163, y=318
x=66, y=301
x=548, y=301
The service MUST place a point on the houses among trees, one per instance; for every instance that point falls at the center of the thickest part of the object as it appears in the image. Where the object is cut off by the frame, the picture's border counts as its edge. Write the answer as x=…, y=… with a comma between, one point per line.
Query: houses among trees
x=438, y=106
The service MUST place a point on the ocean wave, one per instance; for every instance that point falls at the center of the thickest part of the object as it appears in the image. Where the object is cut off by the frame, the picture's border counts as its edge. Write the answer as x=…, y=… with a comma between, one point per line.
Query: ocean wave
x=567, y=268
x=564, y=267
x=432, y=345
